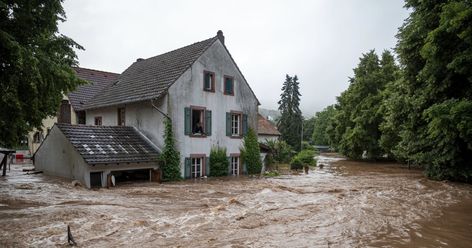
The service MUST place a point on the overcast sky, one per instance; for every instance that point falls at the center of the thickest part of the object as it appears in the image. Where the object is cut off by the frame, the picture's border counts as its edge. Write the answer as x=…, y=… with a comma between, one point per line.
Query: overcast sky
x=320, y=41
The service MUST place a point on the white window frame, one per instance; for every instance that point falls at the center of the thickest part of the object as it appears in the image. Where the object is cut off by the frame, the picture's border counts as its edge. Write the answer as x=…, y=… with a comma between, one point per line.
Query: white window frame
x=235, y=124
x=235, y=166
x=196, y=162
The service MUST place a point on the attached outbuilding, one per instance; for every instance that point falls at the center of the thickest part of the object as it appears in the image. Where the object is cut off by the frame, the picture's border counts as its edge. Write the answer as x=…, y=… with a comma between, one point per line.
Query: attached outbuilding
x=98, y=156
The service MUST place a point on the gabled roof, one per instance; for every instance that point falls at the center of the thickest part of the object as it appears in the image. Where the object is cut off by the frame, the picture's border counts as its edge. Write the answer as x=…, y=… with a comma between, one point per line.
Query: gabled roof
x=149, y=78
x=98, y=80
x=265, y=127
x=109, y=144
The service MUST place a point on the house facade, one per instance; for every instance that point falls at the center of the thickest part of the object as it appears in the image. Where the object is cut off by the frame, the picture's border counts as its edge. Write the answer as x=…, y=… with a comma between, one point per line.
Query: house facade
x=199, y=88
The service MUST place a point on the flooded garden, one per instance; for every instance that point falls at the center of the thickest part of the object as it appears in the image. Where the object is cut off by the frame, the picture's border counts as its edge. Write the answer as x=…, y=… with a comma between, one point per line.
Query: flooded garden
x=343, y=204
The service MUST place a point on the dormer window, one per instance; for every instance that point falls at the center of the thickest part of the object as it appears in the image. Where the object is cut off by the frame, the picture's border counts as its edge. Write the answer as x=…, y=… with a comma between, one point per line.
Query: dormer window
x=209, y=81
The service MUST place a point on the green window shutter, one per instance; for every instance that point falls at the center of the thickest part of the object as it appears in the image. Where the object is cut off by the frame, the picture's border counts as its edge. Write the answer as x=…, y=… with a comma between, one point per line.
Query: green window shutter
x=229, y=166
x=187, y=168
x=187, y=121
x=244, y=168
x=208, y=122
x=245, y=127
x=228, y=124
x=207, y=84
x=207, y=166
x=228, y=86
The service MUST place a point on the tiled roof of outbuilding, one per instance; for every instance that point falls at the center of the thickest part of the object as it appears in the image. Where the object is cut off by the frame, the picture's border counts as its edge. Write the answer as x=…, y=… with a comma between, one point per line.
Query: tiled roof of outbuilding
x=265, y=127
x=149, y=78
x=109, y=145
x=98, y=80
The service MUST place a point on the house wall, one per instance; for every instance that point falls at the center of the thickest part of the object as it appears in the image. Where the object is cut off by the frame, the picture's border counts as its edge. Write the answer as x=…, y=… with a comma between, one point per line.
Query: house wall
x=188, y=91
x=138, y=114
x=58, y=157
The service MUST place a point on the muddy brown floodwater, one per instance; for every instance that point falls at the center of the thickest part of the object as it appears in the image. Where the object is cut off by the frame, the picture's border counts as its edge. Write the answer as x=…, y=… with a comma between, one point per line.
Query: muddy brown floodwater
x=344, y=204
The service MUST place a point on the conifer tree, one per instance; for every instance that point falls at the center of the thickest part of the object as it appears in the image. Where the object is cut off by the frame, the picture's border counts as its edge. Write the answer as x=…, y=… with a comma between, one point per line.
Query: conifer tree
x=291, y=120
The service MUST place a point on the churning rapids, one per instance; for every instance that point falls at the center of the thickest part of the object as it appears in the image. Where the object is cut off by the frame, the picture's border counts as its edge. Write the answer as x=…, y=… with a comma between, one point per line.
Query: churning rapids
x=343, y=204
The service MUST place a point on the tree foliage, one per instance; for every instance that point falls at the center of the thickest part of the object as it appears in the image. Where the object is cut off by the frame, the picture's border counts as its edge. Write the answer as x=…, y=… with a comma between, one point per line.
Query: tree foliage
x=421, y=113
x=170, y=156
x=291, y=119
x=359, y=114
x=35, y=65
x=250, y=153
x=218, y=162
x=435, y=50
x=321, y=122
x=308, y=126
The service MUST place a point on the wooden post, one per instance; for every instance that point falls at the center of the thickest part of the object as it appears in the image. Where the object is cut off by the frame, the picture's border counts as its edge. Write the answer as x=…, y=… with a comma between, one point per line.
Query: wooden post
x=3, y=165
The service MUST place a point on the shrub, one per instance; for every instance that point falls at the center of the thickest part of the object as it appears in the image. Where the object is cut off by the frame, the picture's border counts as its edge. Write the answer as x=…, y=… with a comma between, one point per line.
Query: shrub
x=307, y=157
x=218, y=162
x=296, y=163
x=250, y=153
x=170, y=156
x=281, y=151
x=302, y=159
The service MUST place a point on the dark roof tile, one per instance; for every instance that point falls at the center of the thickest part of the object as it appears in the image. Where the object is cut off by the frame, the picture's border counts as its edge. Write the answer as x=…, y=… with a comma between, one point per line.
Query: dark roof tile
x=109, y=144
x=149, y=78
x=98, y=80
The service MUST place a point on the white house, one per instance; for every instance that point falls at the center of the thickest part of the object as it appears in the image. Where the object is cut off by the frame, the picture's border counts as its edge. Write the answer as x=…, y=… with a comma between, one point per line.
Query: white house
x=199, y=87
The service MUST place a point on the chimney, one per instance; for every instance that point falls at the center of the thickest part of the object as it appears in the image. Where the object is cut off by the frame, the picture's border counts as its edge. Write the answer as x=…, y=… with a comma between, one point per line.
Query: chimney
x=139, y=59
x=220, y=36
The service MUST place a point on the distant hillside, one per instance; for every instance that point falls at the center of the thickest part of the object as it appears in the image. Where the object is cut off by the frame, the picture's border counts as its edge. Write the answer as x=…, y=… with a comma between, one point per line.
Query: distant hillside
x=270, y=114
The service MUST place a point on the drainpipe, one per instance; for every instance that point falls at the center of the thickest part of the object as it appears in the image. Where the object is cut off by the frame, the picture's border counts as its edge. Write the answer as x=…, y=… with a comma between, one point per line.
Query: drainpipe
x=160, y=111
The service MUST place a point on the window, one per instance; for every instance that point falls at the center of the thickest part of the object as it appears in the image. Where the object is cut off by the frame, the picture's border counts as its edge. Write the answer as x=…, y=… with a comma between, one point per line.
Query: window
x=197, y=165
x=234, y=166
x=80, y=117
x=98, y=121
x=209, y=81
x=229, y=86
x=121, y=116
x=235, y=124
x=197, y=122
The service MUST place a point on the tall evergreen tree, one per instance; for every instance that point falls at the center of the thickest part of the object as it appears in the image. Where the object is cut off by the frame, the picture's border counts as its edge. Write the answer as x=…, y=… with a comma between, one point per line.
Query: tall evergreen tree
x=35, y=65
x=285, y=108
x=291, y=119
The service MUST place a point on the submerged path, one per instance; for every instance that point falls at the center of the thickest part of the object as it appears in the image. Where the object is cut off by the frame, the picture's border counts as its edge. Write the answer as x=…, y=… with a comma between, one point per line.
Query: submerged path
x=344, y=204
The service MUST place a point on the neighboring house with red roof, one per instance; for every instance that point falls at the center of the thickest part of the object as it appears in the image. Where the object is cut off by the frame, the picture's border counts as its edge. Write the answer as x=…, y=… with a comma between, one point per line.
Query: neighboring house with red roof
x=266, y=130
x=198, y=87
x=71, y=109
